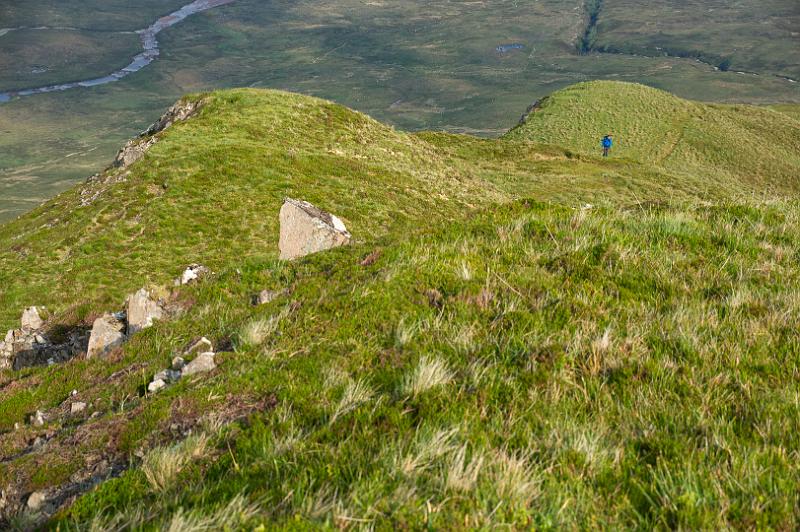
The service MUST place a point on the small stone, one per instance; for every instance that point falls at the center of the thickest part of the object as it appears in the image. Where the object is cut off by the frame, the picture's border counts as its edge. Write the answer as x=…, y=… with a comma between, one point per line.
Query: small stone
x=156, y=385
x=73, y=392
x=178, y=363
x=192, y=274
x=77, y=406
x=267, y=296
x=31, y=320
x=107, y=333
x=167, y=375
x=37, y=419
x=39, y=339
x=16, y=426
x=202, y=345
x=203, y=363
x=35, y=500
x=306, y=229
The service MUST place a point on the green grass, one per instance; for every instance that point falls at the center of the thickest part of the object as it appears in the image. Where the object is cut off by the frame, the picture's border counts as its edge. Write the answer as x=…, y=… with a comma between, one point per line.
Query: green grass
x=756, y=146
x=511, y=356
x=417, y=65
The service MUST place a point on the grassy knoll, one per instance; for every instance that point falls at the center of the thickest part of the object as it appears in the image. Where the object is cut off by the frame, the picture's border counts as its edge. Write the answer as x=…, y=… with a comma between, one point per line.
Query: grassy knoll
x=418, y=65
x=690, y=138
x=507, y=355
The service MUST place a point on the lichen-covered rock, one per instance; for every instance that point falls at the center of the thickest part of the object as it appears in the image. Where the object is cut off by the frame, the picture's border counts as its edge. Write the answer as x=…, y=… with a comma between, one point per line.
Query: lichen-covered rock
x=142, y=310
x=192, y=274
x=203, y=363
x=306, y=229
x=203, y=345
x=31, y=320
x=108, y=332
x=156, y=385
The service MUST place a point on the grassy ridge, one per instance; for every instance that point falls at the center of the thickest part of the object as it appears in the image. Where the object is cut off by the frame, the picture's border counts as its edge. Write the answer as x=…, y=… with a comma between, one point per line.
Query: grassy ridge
x=210, y=191
x=756, y=148
x=506, y=356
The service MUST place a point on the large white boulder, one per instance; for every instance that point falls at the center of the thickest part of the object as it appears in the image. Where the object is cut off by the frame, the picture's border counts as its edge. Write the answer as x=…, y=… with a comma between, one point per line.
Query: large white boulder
x=142, y=310
x=306, y=229
x=108, y=332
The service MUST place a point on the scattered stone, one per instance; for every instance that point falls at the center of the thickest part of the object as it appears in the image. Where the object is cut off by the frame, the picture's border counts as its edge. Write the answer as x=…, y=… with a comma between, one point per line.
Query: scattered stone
x=202, y=345
x=203, y=363
x=39, y=339
x=156, y=385
x=192, y=274
x=16, y=426
x=31, y=320
x=37, y=419
x=267, y=296
x=167, y=375
x=178, y=363
x=73, y=393
x=35, y=500
x=142, y=310
x=76, y=407
x=306, y=229
x=108, y=332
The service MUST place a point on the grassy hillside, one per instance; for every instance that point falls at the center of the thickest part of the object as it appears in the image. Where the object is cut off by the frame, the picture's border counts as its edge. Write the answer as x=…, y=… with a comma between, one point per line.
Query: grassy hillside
x=490, y=351
x=756, y=146
x=418, y=64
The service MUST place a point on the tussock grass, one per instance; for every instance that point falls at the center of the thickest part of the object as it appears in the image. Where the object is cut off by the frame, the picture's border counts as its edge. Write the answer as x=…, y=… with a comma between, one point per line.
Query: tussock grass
x=163, y=464
x=355, y=394
x=430, y=372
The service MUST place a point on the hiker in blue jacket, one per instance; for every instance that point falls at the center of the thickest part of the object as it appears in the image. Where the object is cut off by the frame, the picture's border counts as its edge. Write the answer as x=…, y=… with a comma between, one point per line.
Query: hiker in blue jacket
x=607, y=143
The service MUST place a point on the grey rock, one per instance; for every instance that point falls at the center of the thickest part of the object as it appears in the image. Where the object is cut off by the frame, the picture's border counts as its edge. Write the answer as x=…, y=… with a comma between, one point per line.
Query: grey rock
x=36, y=500
x=142, y=310
x=108, y=332
x=192, y=274
x=76, y=407
x=156, y=385
x=203, y=345
x=167, y=375
x=178, y=363
x=267, y=296
x=203, y=363
x=306, y=229
x=39, y=339
x=31, y=320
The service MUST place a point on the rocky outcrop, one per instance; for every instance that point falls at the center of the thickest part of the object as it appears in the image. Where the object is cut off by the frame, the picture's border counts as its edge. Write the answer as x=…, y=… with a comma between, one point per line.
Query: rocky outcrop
x=306, y=229
x=142, y=310
x=31, y=344
x=532, y=109
x=203, y=352
x=136, y=148
x=108, y=332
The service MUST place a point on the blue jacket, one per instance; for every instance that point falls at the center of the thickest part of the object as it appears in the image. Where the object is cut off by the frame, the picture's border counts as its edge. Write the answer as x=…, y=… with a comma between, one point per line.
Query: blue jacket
x=607, y=142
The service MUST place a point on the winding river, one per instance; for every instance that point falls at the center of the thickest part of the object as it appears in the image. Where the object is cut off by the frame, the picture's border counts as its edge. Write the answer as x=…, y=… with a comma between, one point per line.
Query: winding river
x=150, y=51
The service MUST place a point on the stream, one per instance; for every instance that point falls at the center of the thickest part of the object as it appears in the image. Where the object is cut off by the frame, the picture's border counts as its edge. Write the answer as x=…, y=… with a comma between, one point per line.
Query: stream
x=150, y=51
